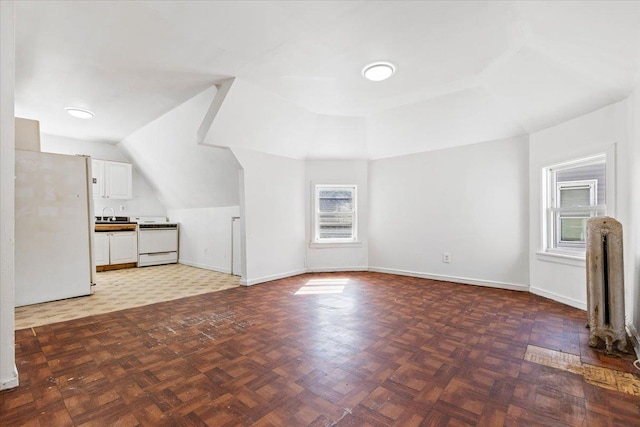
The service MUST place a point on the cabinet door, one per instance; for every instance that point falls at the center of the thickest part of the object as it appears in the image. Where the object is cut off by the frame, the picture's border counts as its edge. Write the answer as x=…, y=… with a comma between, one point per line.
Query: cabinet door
x=123, y=247
x=101, y=248
x=118, y=182
x=97, y=177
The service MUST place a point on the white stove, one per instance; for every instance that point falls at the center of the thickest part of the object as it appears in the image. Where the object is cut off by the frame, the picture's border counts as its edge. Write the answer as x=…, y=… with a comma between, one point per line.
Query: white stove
x=157, y=241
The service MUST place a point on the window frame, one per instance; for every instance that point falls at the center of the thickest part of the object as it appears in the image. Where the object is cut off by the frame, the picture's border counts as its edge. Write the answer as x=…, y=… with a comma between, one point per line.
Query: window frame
x=587, y=211
x=316, y=208
x=570, y=253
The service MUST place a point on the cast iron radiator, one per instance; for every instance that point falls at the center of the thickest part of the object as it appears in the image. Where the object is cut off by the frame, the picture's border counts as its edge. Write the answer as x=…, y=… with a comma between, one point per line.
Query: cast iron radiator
x=605, y=283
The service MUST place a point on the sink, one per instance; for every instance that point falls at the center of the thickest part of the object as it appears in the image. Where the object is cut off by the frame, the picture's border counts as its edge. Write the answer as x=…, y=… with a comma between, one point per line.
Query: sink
x=117, y=220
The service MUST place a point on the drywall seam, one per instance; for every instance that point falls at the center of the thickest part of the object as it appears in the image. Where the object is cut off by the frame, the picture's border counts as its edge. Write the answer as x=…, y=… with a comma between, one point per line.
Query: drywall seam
x=559, y=298
x=454, y=279
x=222, y=89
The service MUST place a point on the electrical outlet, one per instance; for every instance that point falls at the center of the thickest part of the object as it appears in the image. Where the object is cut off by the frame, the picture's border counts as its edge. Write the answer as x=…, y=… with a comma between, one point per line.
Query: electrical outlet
x=122, y=208
x=446, y=257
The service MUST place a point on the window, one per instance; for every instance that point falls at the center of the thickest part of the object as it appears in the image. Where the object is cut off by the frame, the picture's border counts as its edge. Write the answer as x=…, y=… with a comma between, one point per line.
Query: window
x=335, y=213
x=576, y=191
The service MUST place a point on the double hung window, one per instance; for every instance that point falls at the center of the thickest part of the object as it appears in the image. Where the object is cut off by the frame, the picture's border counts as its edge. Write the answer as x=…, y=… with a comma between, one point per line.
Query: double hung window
x=335, y=213
x=576, y=191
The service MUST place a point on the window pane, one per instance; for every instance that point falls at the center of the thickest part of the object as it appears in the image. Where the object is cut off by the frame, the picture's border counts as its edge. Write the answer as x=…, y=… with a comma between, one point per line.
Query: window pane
x=577, y=196
x=572, y=229
x=595, y=171
x=575, y=191
x=335, y=213
x=335, y=200
x=335, y=226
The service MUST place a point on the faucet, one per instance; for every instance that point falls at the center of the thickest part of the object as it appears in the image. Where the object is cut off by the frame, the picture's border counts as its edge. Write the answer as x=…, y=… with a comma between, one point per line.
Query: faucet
x=113, y=213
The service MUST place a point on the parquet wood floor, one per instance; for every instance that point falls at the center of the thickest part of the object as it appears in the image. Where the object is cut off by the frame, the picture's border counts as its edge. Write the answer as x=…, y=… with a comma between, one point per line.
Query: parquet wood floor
x=349, y=349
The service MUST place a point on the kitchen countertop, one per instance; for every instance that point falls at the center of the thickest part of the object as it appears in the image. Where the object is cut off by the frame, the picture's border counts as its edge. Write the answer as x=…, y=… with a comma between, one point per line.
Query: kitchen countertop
x=115, y=226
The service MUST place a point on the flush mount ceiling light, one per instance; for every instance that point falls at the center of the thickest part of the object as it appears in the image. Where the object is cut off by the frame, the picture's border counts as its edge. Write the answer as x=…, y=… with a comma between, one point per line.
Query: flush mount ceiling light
x=378, y=71
x=79, y=113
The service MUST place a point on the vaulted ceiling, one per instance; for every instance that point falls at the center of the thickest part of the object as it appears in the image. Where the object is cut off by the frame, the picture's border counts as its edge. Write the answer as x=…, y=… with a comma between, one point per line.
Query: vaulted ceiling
x=466, y=71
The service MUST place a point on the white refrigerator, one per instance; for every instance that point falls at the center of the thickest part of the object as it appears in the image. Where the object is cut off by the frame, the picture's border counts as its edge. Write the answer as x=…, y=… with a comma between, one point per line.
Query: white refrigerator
x=53, y=227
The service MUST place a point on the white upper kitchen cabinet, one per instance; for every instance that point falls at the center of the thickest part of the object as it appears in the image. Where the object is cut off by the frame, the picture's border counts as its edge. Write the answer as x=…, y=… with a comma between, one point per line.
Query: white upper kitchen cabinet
x=118, y=182
x=112, y=180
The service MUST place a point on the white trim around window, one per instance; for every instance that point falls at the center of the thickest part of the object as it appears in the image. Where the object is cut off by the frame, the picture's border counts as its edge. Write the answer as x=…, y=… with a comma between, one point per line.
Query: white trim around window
x=581, y=202
x=335, y=220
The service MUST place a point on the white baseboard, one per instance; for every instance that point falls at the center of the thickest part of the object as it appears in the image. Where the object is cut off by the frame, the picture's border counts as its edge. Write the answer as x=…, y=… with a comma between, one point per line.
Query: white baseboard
x=559, y=298
x=336, y=269
x=205, y=266
x=12, y=382
x=635, y=338
x=263, y=279
x=463, y=280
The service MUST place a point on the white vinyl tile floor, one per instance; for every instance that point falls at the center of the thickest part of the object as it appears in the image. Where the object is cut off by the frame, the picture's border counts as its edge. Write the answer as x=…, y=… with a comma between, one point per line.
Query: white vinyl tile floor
x=132, y=287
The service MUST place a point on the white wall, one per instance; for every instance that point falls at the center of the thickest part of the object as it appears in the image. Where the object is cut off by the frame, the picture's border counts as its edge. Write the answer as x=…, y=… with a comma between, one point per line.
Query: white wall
x=184, y=174
x=583, y=136
x=632, y=231
x=144, y=202
x=338, y=137
x=337, y=257
x=8, y=372
x=205, y=236
x=272, y=211
x=468, y=201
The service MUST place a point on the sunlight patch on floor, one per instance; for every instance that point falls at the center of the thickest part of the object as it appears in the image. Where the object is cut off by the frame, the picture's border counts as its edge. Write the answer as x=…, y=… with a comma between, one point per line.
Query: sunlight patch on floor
x=323, y=286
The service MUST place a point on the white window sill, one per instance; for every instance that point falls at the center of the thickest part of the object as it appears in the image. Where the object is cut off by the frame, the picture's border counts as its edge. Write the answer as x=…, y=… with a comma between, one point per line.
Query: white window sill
x=577, y=260
x=328, y=245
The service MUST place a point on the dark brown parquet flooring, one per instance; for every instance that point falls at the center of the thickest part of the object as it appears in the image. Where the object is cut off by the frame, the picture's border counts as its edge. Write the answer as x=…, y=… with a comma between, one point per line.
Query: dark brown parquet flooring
x=350, y=349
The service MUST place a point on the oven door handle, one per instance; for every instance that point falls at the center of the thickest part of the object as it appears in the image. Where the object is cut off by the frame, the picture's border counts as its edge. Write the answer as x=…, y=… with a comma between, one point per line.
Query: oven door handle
x=157, y=228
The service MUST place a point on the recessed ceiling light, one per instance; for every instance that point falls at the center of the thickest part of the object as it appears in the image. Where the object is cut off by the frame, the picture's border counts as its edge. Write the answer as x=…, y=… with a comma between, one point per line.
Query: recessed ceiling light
x=378, y=71
x=79, y=113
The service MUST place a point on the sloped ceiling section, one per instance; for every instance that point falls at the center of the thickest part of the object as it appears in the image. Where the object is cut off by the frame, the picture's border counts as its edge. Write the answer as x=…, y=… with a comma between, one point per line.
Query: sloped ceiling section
x=460, y=118
x=437, y=47
x=575, y=57
x=533, y=69
x=85, y=54
x=466, y=71
x=251, y=118
x=255, y=119
x=184, y=174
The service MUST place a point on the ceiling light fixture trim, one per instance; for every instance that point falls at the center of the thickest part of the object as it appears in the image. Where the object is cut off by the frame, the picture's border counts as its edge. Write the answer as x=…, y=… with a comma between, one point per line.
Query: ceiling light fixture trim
x=378, y=71
x=80, y=113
